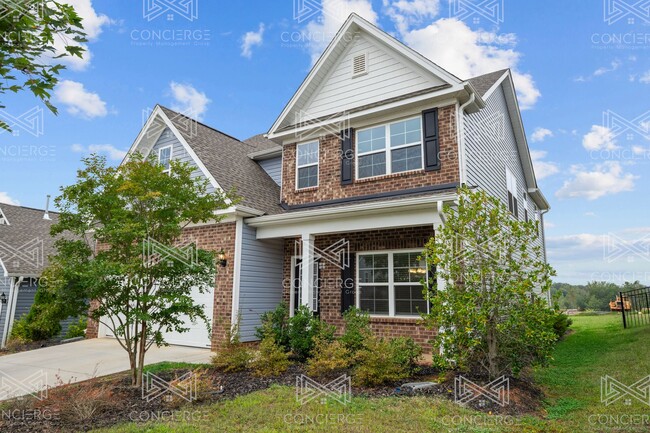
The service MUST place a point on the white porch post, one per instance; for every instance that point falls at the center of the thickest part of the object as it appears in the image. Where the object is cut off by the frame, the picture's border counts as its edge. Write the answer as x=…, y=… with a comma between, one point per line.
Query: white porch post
x=307, y=270
x=11, y=310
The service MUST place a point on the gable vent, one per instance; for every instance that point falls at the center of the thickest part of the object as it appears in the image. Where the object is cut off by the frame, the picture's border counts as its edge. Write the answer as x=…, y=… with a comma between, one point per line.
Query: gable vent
x=360, y=65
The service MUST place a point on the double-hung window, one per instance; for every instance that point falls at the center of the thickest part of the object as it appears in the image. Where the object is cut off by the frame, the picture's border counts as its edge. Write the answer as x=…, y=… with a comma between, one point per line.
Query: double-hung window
x=165, y=157
x=391, y=148
x=390, y=283
x=307, y=165
x=511, y=182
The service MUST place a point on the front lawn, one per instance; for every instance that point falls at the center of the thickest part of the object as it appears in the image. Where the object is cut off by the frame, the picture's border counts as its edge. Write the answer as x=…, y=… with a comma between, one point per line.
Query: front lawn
x=598, y=346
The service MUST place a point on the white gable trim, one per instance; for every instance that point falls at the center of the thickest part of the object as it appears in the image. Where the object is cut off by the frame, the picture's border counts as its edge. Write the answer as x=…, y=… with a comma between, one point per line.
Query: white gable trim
x=5, y=218
x=159, y=113
x=360, y=24
x=5, y=272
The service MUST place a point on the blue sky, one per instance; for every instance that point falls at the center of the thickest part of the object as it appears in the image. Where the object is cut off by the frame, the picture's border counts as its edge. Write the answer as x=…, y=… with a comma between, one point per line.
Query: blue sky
x=236, y=64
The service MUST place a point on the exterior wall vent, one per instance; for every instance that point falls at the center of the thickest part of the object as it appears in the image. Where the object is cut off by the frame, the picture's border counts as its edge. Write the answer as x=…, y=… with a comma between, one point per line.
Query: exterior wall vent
x=360, y=65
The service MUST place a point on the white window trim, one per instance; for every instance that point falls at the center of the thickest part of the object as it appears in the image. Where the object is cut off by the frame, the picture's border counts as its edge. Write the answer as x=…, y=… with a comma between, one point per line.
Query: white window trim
x=317, y=164
x=391, y=283
x=387, y=149
x=171, y=153
x=511, y=187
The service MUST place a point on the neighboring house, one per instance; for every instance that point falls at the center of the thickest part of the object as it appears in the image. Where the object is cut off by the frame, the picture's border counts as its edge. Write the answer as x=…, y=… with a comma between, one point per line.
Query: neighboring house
x=351, y=178
x=25, y=244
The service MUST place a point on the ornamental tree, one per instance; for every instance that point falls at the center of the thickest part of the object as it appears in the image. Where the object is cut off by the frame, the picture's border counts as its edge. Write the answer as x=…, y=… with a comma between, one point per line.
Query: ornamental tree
x=492, y=314
x=122, y=250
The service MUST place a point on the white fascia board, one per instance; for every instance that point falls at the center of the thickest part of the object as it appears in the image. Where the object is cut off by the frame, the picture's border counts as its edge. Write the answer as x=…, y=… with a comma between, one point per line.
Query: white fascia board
x=265, y=154
x=539, y=198
x=5, y=273
x=361, y=216
x=496, y=85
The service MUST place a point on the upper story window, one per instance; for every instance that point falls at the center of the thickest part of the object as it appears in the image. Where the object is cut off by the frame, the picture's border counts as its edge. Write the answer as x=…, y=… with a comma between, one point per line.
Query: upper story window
x=307, y=165
x=511, y=181
x=165, y=157
x=391, y=148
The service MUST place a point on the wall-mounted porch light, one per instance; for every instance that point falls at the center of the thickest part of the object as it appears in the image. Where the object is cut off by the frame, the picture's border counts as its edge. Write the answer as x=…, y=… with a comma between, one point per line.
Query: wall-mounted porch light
x=3, y=298
x=222, y=258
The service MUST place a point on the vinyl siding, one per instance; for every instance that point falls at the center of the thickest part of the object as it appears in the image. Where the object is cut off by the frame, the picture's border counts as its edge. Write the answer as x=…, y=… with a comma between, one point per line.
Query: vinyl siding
x=490, y=147
x=260, y=285
x=273, y=167
x=167, y=138
x=389, y=75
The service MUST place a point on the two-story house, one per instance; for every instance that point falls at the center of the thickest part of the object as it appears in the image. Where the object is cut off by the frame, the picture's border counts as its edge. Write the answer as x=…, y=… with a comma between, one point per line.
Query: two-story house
x=350, y=180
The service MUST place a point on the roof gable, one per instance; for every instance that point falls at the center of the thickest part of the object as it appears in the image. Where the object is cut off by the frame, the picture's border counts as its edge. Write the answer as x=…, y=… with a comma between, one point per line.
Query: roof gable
x=331, y=77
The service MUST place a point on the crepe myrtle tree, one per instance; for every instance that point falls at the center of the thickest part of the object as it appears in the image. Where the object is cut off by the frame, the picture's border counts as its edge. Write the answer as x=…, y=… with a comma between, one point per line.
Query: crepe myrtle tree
x=123, y=253
x=30, y=32
x=493, y=313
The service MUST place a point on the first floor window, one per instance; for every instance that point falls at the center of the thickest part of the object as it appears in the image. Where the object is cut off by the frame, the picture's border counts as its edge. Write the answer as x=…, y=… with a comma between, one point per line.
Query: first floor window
x=165, y=157
x=390, y=284
x=307, y=163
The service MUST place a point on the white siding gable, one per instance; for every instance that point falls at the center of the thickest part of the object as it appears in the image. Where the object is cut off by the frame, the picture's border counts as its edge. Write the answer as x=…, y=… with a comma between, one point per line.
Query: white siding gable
x=388, y=74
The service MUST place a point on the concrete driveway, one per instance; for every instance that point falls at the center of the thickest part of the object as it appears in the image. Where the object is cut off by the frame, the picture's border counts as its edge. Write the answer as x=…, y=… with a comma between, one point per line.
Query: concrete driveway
x=30, y=372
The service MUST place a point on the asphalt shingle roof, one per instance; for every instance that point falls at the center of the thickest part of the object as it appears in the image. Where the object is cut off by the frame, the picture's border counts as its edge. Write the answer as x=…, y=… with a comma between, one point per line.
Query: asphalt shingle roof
x=25, y=243
x=483, y=83
x=226, y=158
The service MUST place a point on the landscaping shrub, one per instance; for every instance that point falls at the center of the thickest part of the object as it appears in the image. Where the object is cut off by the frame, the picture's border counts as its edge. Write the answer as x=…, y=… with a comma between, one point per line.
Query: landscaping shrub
x=382, y=361
x=357, y=329
x=304, y=327
x=329, y=357
x=77, y=329
x=81, y=401
x=275, y=322
x=560, y=323
x=272, y=359
x=232, y=355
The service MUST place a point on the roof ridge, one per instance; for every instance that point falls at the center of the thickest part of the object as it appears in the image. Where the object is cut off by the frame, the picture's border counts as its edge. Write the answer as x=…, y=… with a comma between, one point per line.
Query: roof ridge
x=29, y=208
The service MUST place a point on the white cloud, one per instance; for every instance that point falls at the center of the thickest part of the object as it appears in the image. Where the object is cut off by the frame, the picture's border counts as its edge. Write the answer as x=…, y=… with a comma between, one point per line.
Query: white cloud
x=590, y=214
x=335, y=12
x=93, y=24
x=188, y=100
x=4, y=198
x=604, y=179
x=250, y=40
x=451, y=44
x=645, y=78
x=604, y=70
x=600, y=138
x=407, y=13
x=543, y=169
x=107, y=149
x=540, y=134
x=79, y=101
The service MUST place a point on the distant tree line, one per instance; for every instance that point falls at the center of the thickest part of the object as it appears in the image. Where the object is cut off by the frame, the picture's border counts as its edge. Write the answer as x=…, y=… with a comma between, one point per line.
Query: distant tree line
x=595, y=295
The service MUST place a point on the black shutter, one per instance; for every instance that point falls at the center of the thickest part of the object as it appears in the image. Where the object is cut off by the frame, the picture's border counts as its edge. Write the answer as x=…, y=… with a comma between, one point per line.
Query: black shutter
x=431, y=143
x=348, y=285
x=347, y=156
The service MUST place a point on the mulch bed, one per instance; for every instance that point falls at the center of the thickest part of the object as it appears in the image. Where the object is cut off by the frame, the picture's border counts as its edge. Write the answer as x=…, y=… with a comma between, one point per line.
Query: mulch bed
x=107, y=401
x=32, y=345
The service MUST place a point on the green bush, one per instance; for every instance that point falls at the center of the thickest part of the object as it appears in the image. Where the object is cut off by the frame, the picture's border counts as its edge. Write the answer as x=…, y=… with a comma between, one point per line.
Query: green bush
x=329, y=357
x=77, y=329
x=357, y=329
x=272, y=360
x=275, y=322
x=382, y=361
x=232, y=355
x=560, y=323
x=304, y=328
x=34, y=327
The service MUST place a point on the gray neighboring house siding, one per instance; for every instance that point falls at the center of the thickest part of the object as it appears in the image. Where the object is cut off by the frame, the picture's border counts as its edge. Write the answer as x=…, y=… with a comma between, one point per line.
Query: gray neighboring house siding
x=488, y=154
x=167, y=138
x=273, y=167
x=260, y=280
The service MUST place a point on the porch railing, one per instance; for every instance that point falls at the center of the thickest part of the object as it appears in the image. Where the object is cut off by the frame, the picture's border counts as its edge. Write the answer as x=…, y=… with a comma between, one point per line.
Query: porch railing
x=635, y=307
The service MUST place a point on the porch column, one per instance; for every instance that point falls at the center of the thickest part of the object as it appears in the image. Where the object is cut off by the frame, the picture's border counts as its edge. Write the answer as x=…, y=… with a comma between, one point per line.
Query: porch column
x=307, y=270
x=438, y=224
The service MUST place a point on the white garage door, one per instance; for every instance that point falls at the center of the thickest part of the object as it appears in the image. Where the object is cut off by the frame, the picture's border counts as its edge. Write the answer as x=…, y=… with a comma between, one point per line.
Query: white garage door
x=198, y=335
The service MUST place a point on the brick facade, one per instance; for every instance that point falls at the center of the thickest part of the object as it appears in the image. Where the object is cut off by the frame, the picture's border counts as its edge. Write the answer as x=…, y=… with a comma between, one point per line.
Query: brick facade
x=215, y=237
x=330, y=278
x=329, y=171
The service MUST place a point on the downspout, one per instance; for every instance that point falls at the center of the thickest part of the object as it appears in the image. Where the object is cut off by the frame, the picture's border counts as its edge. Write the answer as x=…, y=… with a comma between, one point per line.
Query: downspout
x=461, y=136
x=11, y=308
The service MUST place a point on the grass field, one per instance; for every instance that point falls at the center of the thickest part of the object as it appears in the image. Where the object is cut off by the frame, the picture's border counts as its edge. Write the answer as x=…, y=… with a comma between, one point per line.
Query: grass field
x=598, y=346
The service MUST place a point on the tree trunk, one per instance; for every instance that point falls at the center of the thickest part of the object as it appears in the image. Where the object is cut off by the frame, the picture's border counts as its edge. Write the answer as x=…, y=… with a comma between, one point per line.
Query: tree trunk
x=493, y=367
x=143, y=345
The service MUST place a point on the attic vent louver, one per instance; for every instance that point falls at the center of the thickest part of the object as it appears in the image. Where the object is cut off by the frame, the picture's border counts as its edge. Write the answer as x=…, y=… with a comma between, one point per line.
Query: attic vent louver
x=360, y=65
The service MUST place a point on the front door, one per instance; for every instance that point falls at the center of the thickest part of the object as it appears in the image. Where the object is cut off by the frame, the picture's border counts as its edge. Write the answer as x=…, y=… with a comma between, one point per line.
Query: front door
x=297, y=285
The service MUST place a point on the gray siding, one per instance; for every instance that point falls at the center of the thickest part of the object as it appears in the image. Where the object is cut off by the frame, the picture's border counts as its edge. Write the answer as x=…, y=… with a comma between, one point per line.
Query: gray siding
x=490, y=147
x=167, y=138
x=260, y=285
x=273, y=167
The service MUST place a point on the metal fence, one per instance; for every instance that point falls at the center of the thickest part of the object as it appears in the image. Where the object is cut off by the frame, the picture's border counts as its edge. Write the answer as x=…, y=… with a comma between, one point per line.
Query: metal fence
x=635, y=307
